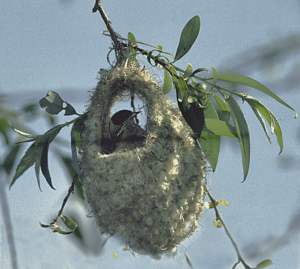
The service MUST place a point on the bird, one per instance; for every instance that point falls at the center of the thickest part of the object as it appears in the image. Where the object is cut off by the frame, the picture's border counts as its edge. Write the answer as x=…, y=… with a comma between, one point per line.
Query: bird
x=193, y=115
x=123, y=127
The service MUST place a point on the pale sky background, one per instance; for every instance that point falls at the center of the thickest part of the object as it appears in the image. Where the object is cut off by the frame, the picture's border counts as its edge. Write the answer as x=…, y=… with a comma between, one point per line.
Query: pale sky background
x=58, y=45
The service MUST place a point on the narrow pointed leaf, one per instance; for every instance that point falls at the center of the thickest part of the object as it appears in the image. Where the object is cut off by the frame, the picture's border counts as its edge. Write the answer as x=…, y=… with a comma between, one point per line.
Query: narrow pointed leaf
x=45, y=225
x=22, y=133
x=223, y=111
x=70, y=223
x=131, y=38
x=52, y=102
x=242, y=132
x=181, y=88
x=262, y=122
x=76, y=130
x=27, y=161
x=167, y=86
x=59, y=230
x=44, y=164
x=37, y=168
x=69, y=110
x=10, y=158
x=188, y=71
x=249, y=82
x=188, y=260
x=264, y=264
x=219, y=127
x=4, y=128
x=52, y=133
x=132, y=43
x=188, y=36
x=263, y=113
x=210, y=110
x=222, y=104
x=198, y=70
x=210, y=144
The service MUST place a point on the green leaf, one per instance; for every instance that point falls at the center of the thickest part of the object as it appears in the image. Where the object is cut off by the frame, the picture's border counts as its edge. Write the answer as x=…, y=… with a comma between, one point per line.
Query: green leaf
x=219, y=127
x=10, y=158
x=76, y=130
x=188, y=37
x=132, y=43
x=218, y=223
x=44, y=164
x=69, y=222
x=167, y=86
x=242, y=132
x=188, y=71
x=159, y=47
x=45, y=225
x=46, y=139
x=249, y=82
x=52, y=102
x=210, y=144
x=264, y=114
x=181, y=88
x=37, y=167
x=223, y=111
x=4, y=128
x=132, y=38
x=210, y=111
x=23, y=133
x=52, y=133
x=27, y=161
x=198, y=70
x=188, y=260
x=222, y=104
x=264, y=264
x=69, y=110
x=59, y=230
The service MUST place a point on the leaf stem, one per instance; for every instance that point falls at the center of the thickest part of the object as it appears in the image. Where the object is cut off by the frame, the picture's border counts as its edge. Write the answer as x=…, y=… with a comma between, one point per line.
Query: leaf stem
x=227, y=232
x=113, y=35
x=70, y=191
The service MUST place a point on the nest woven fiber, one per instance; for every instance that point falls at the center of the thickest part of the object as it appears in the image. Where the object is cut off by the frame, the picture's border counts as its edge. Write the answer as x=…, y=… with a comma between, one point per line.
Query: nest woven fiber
x=148, y=194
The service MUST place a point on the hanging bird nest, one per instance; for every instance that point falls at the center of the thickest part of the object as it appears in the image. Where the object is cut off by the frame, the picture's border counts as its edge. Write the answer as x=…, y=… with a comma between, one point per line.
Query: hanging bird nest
x=149, y=192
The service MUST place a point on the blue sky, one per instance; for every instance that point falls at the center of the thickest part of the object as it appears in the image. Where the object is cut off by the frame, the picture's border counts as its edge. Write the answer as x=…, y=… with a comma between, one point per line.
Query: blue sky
x=58, y=45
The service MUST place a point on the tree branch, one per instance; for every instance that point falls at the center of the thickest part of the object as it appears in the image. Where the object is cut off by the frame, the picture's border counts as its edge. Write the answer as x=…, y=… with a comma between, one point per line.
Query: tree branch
x=114, y=37
x=70, y=191
x=234, y=244
x=8, y=225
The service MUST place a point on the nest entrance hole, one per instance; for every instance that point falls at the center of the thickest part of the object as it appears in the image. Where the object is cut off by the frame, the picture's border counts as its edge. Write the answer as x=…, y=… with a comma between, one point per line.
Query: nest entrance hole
x=127, y=123
x=132, y=102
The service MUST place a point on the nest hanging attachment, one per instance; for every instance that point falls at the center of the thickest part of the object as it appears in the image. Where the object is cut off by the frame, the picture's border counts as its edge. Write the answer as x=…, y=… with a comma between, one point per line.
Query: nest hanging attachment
x=144, y=185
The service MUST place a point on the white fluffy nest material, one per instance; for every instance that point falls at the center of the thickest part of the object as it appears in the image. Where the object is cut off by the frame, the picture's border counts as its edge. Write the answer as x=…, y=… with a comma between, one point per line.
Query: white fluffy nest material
x=149, y=195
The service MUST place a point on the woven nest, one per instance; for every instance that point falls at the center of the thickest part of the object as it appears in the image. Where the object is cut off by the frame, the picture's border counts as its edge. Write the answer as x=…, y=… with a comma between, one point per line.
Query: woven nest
x=150, y=193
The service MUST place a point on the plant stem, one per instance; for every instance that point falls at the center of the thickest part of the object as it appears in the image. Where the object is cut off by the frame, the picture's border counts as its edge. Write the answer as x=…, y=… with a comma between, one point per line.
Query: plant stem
x=113, y=35
x=8, y=225
x=234, y=244
x=70, y=191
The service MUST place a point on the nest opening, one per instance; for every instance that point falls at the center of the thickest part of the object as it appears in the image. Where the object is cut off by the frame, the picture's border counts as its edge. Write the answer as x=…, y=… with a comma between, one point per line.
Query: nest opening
x=127, y=123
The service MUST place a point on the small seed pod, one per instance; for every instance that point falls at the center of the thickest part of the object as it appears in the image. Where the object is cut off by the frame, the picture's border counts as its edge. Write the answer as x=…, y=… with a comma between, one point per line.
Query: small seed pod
x=146, y=191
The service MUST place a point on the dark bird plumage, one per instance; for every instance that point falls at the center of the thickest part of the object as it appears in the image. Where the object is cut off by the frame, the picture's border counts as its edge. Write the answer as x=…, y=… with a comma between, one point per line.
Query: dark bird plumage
x=193, y=115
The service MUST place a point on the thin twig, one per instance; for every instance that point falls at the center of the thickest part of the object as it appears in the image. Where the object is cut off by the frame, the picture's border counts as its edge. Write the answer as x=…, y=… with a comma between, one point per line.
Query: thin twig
x=70, y=191
x=8, y=225
x=234, y=244
x=114, y=37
